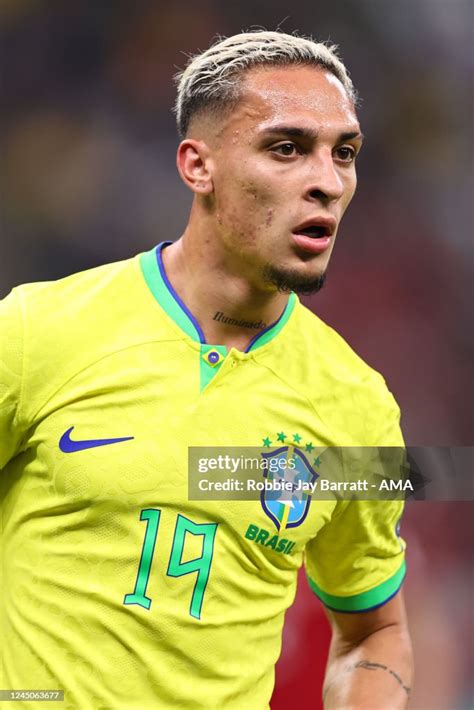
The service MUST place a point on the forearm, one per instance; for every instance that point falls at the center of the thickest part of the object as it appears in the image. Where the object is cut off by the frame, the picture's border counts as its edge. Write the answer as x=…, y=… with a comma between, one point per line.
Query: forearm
x=374, y=674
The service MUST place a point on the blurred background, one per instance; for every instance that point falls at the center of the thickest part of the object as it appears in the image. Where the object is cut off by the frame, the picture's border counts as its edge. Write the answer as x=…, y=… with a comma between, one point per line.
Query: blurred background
x=87, y=176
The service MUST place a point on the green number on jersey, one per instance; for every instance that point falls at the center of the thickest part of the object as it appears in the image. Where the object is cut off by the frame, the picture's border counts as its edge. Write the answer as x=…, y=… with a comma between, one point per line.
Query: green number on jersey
x=201, y=565
x=176, y=568
x=152, y=515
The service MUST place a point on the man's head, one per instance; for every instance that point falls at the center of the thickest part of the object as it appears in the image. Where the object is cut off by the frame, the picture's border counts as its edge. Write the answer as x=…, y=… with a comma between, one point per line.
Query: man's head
x=212, y=81
x=270, y=135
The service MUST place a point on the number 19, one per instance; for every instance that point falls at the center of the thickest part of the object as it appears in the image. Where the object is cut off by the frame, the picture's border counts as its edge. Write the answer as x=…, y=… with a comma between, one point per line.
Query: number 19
x=176, y=568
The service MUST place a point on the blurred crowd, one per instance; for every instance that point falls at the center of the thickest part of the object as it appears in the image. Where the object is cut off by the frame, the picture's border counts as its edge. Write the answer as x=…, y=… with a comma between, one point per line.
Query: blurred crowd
x=87, y=176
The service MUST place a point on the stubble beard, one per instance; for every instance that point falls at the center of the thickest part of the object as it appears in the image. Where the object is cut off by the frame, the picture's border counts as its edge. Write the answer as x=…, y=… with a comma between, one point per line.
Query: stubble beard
x=287, y=280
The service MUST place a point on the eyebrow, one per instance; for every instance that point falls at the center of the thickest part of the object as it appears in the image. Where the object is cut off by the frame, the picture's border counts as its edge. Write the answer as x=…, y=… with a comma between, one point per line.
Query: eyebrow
x=309, y=133
x=351, y=135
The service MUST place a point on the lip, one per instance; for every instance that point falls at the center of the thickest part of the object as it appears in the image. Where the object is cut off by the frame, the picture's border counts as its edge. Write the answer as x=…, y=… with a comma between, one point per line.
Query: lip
x=312, y=245
x=328, y=223
x=315, y=245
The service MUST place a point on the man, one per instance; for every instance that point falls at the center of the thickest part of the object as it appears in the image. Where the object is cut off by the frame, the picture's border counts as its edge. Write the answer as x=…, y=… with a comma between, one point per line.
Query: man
x=119, y=589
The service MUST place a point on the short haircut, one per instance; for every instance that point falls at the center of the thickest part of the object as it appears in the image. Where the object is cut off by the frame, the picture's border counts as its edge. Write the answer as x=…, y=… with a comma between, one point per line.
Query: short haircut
x=211, y=79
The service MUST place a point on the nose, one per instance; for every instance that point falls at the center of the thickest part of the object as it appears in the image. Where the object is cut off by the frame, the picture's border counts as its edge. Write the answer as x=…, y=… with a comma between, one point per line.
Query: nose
x=325, y=183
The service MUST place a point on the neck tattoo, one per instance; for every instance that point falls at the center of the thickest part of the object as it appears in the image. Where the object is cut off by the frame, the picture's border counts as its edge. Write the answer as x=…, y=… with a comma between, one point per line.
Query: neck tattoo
x=226, y=320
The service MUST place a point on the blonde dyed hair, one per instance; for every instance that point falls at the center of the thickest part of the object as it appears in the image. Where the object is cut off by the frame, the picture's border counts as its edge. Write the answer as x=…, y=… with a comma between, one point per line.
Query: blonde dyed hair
x=211, y=80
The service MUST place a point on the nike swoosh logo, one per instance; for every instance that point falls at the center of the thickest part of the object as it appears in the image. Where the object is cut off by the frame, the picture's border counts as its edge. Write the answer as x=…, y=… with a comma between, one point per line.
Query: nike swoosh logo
x=68, y=446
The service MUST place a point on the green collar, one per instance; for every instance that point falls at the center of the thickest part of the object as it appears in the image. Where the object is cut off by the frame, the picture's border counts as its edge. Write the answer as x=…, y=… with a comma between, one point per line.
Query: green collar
x=158, y=283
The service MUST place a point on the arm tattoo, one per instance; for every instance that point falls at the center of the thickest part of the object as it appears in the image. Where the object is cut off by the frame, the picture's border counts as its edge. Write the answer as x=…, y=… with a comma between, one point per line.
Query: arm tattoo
x=375, y=666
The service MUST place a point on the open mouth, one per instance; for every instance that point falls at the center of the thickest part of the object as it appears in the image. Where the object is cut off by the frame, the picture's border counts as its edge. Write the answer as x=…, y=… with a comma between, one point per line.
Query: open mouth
x=318, y=227
x=314, y=235
x=315, y=232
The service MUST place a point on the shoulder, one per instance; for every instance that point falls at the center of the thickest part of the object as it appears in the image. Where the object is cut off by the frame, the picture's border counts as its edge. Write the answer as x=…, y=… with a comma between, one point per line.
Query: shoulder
x=73, y=293
x=349, y=395
x=333, y=351
x=65, y=327
x=317, y=350
x=70, y=316
x=91, y=307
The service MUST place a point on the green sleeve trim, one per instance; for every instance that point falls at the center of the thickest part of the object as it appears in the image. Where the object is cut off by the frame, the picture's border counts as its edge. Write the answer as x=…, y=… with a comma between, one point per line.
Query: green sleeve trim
x=365, y=600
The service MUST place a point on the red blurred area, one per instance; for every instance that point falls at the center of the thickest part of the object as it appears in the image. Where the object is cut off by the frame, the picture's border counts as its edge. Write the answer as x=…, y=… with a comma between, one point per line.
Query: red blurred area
x=300, y=669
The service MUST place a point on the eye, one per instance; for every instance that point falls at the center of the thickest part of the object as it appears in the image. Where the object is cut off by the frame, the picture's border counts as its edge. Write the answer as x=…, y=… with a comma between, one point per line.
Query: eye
x=286, y=149
x=346, y=153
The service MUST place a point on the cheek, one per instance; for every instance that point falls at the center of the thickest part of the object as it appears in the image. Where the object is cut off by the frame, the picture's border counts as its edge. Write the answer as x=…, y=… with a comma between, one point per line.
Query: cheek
x=244, y=181
x=349, y=190
x=269, y=217
x=245, y=207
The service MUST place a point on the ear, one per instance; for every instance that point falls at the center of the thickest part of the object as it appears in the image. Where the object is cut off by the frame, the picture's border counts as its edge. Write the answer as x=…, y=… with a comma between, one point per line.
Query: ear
x=193, y=162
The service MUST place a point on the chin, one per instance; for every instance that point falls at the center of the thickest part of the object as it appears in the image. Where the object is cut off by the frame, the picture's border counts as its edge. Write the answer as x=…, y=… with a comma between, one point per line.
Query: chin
x=287, y=279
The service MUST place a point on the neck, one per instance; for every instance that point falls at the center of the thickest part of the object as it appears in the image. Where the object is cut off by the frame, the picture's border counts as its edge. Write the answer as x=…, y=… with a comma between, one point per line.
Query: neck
x=214, y=286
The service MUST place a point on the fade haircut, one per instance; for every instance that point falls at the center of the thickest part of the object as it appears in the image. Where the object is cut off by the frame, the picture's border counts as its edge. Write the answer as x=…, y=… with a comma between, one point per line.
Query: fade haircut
x=211, y=80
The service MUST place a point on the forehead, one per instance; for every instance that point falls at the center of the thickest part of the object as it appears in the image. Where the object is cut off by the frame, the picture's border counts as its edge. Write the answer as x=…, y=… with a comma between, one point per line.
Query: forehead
x=312, y=96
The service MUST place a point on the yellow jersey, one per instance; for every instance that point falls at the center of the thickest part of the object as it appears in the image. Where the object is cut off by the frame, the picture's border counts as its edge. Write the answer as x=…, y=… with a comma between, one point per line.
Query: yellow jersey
x=116, y=587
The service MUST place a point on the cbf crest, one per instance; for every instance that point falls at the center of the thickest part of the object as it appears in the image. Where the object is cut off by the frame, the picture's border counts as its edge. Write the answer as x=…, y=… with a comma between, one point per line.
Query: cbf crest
x=291, y=470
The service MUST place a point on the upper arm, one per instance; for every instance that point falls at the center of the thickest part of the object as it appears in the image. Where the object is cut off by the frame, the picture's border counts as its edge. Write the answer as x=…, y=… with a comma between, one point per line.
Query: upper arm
x=352, y=629
x=357, y=560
